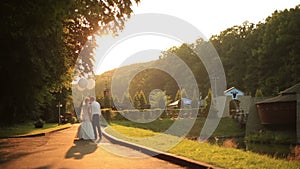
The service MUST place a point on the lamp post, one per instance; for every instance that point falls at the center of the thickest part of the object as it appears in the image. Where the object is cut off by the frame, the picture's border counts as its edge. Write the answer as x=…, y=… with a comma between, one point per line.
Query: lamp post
x=59, y=106
x=298, y=118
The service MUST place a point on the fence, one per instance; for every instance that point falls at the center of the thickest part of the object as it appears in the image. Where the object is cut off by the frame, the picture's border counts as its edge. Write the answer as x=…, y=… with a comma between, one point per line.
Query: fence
x=151, y=114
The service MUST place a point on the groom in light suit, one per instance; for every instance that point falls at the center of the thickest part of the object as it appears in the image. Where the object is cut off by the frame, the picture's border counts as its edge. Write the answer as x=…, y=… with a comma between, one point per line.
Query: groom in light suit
x=96, y=112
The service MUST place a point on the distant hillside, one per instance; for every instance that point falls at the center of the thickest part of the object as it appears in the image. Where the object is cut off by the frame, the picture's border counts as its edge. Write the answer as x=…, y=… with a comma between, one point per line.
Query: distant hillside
x=261, y=57
x=169, y=73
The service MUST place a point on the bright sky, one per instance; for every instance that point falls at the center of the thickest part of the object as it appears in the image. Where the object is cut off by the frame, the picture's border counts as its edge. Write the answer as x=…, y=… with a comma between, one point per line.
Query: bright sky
x=209, y=16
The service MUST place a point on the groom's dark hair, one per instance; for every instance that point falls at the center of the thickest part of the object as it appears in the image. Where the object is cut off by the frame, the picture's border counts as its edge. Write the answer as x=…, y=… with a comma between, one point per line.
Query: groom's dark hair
x=92, y=98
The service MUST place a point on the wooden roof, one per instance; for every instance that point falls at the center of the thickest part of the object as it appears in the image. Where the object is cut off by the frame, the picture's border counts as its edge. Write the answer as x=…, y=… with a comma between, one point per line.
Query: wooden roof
x=286, y=95
x=280, y=98
x=292, y=90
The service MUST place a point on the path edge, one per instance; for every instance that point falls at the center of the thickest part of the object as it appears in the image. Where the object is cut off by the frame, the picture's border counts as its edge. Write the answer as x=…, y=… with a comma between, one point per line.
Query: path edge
x=175, y=159
x=38, y=134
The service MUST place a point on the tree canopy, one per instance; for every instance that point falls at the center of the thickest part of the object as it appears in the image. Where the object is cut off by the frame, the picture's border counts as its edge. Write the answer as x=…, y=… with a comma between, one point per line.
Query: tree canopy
x=41, y=41
x=262, y=57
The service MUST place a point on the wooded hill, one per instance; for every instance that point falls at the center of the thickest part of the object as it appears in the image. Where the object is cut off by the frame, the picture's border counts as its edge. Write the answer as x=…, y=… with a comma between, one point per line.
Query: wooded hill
x=158, y=74
x=262, y=57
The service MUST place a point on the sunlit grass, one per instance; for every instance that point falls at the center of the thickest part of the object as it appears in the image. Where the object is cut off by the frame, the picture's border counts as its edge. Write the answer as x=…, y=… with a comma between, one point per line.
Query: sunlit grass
x=28, y=129
x=229, y=157
x=226, y=127
x=204, y=152
x=133, y=132
x=149, y=138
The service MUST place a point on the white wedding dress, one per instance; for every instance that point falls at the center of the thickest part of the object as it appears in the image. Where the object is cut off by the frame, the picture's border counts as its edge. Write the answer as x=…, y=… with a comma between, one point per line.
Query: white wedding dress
x=86, y=131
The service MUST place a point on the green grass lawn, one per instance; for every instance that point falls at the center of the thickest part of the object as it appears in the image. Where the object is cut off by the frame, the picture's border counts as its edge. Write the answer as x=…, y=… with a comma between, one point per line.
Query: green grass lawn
x=226, y=127
x=28, y=128
x=204, y=152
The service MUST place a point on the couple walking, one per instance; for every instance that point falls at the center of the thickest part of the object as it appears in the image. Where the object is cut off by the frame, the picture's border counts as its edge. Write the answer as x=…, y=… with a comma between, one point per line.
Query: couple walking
x=90, y=117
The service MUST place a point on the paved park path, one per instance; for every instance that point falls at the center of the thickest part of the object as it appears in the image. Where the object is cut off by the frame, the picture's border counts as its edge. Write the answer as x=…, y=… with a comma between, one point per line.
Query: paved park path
x=61, y=150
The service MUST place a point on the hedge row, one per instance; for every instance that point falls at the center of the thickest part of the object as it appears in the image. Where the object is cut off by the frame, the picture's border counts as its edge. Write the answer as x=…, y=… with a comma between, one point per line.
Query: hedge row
x=150, y=114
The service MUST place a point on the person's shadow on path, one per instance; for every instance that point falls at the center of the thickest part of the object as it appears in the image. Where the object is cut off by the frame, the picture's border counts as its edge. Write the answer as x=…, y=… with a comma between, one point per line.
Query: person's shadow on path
x=81, y=148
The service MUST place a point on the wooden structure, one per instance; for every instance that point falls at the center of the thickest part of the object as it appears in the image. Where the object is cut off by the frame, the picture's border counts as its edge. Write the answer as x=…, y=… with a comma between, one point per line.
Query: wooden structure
x=282, y=110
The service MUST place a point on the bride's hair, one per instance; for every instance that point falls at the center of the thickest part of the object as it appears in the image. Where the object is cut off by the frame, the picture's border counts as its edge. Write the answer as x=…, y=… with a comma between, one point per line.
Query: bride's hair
x=86, y=101
x=84, y=106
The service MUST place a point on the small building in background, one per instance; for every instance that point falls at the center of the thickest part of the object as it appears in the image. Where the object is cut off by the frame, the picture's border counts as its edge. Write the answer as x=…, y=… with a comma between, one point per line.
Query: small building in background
x=233, y=92
x=280, y=111
x=234, y=103
x=183, y=102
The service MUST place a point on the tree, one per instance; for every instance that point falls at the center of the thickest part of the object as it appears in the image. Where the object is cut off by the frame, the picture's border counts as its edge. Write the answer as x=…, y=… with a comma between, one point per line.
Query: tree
x=208, y=101
x=143, y=100
x=136, y=101
x=184, y=94
x=181, y=94
x=253, y=73
x=159, y=99
x=106, y=102
x=233, y=49
x=258, y=93
x=178, y=95
x=139, y=100
x=127, y=100
x=255, y=56
x=34, y=66
x=90, y=18
x=42, y=40
x=262, y=55
x=280, y=45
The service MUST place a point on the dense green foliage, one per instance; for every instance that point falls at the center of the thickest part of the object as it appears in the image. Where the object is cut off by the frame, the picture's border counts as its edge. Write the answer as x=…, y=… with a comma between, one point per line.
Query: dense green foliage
x=263, y=57
x=41, y=41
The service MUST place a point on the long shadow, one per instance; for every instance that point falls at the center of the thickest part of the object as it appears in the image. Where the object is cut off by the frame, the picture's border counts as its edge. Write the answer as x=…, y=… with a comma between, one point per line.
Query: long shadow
x=7, y=153
x=44, y=167
x=7, y=157
x=80, y=149
x=5, y=144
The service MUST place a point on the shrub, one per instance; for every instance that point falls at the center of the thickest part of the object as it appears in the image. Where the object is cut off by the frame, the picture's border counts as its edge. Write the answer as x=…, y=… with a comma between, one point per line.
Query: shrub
x=73, y=120
x=39, y=123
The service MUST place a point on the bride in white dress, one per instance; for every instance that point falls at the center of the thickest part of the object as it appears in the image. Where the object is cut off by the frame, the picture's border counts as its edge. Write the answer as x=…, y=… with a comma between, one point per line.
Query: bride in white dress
x=86, y=131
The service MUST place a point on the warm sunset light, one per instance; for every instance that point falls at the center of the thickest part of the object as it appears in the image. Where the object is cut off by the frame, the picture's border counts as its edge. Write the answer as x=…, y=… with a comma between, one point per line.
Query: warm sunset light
x=121, y=50
x=146, y=84
x=209, y=17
